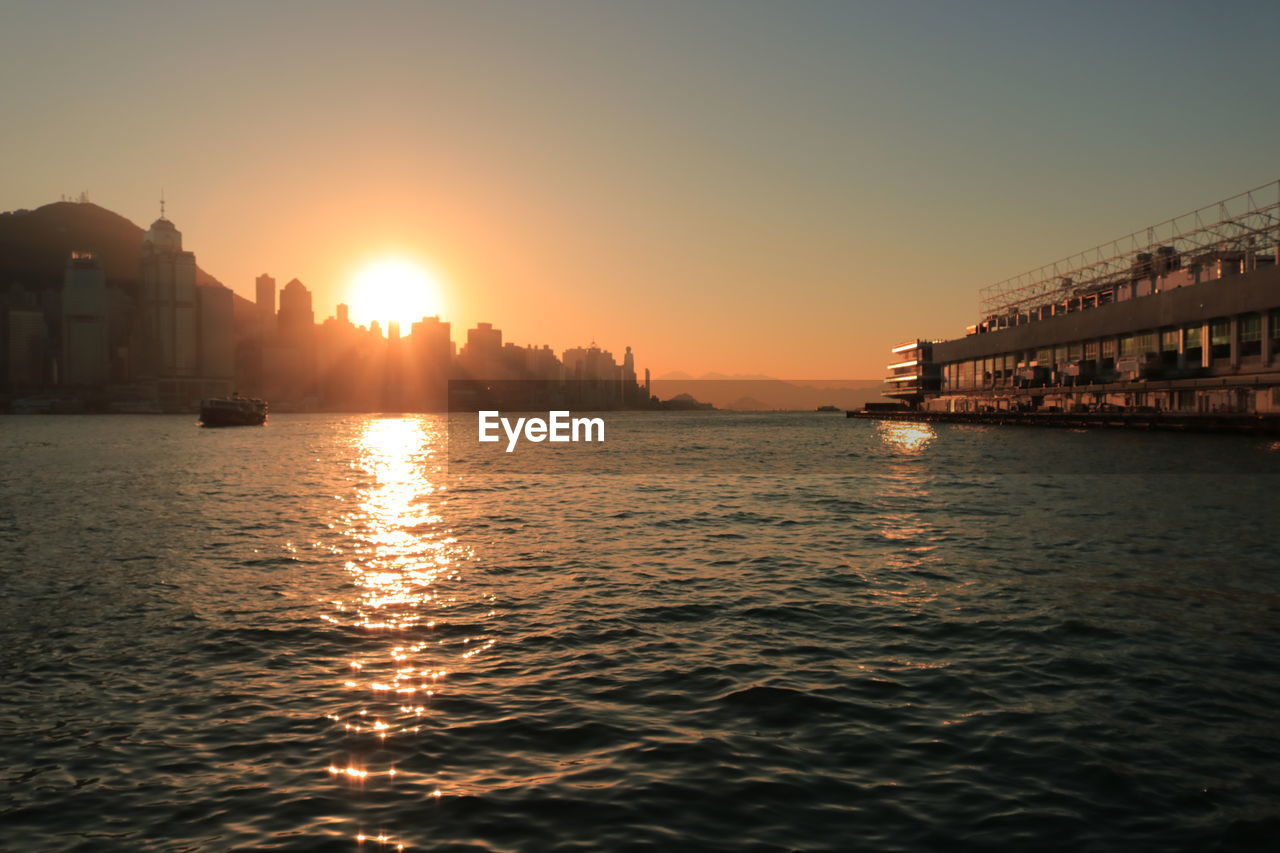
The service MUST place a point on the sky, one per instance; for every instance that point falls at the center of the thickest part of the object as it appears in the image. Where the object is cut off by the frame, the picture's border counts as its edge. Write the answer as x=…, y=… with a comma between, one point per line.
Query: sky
x=786, y=189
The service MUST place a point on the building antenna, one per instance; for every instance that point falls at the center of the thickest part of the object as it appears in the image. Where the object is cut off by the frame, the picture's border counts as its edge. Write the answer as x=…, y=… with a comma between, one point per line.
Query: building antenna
x=162, y=202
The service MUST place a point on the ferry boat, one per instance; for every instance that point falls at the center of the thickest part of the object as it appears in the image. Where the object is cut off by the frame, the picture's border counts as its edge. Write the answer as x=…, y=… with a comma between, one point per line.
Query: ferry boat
x=233, y=411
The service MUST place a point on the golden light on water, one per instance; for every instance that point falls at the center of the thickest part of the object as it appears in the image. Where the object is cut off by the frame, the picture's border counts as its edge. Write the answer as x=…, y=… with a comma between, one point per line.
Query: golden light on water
x=904, y=490
x=394, y=290
x=906, y=437
x=398, y=554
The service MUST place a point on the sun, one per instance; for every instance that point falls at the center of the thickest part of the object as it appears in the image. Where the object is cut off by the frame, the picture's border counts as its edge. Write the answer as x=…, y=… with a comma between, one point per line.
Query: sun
x=394, y=290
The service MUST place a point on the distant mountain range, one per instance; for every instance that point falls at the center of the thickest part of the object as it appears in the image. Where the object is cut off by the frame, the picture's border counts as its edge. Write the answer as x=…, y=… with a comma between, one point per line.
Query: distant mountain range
x=764, y=393
x=680, y=374
x=34, y=244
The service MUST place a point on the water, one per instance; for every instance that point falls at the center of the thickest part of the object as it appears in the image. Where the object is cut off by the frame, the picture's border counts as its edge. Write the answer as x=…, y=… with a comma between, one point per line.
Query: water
x=716, y=631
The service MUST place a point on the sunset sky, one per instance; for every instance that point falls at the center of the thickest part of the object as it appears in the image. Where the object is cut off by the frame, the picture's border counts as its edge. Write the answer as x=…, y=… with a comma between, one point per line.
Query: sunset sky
x=743, y=187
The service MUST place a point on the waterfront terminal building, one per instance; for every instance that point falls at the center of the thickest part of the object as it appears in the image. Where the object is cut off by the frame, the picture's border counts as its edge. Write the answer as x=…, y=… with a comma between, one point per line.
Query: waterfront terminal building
x=1179, y=317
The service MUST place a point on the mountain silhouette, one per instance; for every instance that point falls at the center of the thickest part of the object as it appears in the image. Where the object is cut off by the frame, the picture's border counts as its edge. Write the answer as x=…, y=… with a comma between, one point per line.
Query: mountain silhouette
x=34, y=244
x=764, y=394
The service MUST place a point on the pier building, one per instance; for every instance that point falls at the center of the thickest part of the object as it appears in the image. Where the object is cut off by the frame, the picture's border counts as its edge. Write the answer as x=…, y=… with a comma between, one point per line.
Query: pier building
x=1183, y=316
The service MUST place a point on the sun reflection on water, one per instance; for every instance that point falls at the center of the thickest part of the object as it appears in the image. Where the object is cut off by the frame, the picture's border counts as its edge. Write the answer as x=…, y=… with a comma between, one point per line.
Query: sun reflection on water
x=399, y=553
x=905, y=436
x=904, y=494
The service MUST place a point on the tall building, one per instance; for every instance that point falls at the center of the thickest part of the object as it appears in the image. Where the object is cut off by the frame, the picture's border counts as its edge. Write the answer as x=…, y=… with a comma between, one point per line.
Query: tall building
x=296, y=319
x=629, y=367
x=289, y=364
x=590, y=364
x=430, y=353
x=541, y=363
x=344, y=361
x=168, y=302
x=595, y=379
x=85, y=359
x=481, y=356
x=169, y=325
x=217, y=339
x=265, y=305
x=26, y=350
x=432, y=344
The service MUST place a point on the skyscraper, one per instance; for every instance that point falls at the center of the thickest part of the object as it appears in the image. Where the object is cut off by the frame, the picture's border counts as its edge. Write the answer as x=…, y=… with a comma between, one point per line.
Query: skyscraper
x=289, y=365
x=169, y=325
x=296, y=319
x=84, y=323
x=265, y=292
x=168, y=302
x=217, y=339
x=481, y=356
x=629, y=367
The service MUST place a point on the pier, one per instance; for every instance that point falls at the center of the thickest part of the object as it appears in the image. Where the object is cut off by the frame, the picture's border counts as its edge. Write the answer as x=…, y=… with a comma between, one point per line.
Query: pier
x=1218, y=422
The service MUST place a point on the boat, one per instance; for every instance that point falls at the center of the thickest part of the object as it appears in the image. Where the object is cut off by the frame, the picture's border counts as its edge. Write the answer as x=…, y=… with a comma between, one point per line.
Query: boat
x=828, y=409
x=233, y=411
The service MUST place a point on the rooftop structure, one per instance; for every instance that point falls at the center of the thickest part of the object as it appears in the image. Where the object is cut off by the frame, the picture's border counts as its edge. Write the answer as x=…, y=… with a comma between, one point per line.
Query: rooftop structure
x=1229, y=230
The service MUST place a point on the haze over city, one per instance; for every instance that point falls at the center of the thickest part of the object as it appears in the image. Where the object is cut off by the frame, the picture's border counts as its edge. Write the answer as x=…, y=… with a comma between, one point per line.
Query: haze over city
x=736, y=187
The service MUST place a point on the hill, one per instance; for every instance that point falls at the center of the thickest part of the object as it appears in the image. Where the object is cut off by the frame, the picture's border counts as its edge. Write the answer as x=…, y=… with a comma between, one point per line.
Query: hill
x=34, y=244
x=755, y=394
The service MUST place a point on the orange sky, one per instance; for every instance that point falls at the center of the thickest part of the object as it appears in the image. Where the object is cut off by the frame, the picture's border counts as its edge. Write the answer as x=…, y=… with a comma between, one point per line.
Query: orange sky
x=783, y=189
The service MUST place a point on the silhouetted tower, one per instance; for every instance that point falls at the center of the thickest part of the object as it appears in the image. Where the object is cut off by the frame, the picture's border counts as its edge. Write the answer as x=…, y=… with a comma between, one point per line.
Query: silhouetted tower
x=84, y=322
x=482, y=353
x=265, y=290
x=296, y=318
x=168, y=301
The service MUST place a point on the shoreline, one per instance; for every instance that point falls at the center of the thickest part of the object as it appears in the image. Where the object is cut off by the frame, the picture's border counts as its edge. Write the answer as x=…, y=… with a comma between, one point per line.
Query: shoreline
x=1218, y=422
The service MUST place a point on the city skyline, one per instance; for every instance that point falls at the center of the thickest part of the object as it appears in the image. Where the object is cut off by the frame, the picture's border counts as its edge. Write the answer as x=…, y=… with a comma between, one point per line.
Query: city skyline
x=98, y=315
x=734, y=188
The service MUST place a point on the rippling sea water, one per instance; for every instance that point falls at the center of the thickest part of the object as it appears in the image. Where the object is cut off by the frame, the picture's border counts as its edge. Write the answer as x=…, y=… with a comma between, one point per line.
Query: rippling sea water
x=716, y=631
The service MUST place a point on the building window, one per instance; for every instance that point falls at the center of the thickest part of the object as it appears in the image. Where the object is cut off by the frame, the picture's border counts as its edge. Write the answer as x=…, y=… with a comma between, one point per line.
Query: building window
x=1220, y=333
x=1144, y=343
x=1090, y=350
x=1250, y=332
x=1127, y=344
x=1220, y=339
x=1192, y=337
x=1169, y=340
